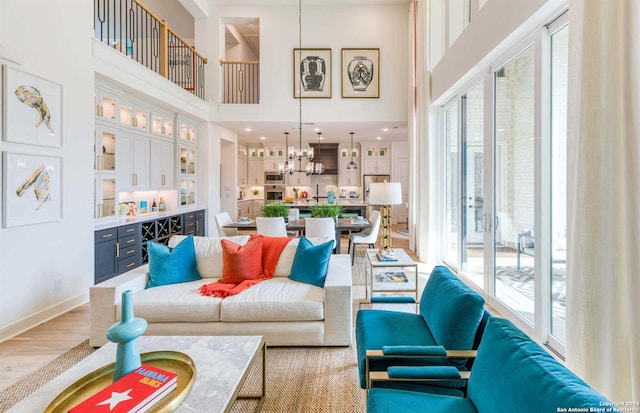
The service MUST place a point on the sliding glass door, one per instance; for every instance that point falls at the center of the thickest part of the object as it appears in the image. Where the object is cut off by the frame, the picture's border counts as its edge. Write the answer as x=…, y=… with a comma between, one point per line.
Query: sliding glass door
x=559, y=42
x=452, y=241
x=505, y=184
x=472, y=184
x=514, y=184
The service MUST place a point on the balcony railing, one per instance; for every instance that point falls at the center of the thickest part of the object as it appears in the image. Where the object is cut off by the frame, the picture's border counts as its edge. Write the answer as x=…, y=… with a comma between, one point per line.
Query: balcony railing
x=132, y=29
x=241, y=82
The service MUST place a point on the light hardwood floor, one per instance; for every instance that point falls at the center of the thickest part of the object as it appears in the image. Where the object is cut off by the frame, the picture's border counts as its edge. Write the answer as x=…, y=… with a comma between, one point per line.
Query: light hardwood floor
x=32, y=349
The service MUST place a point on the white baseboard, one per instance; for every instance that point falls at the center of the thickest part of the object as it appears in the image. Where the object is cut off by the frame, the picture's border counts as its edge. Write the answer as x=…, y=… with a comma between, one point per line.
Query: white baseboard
x=42, y=316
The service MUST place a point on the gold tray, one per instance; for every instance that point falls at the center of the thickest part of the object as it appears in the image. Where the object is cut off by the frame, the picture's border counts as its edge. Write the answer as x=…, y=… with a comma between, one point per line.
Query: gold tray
x=172, y=361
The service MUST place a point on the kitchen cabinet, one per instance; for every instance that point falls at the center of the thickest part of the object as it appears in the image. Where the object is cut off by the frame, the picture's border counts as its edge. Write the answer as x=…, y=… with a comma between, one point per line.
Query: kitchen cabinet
x=273, y=156
x=245, y=208
x=105, y=260
x=349, y=177
x=161, y=168
x=256, y=208
x=106, y=104
x=134, y=115
x=255, y=172
x=105, y=196
x=117, y=250
x=105, y=148
x=376, y=166
x=376, y=158
x=243, y=174
x=162, y=124
x=187, y=131
x=187, y=160
x=132, y=162
x=187, y=192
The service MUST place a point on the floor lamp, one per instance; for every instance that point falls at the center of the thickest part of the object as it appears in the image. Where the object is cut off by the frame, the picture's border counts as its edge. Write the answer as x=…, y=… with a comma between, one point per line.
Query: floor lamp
x=385, y=194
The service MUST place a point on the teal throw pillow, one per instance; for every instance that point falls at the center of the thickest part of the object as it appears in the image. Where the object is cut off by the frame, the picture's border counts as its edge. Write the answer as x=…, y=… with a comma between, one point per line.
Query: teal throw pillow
x=172, y=265
x=311, y=262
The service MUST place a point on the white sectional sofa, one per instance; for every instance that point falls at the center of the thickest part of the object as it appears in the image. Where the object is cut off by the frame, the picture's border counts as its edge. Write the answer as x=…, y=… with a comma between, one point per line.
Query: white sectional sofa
x=285, y=312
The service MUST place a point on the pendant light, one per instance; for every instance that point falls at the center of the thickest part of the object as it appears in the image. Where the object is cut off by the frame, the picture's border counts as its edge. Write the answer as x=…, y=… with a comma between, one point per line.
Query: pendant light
x=352, y=165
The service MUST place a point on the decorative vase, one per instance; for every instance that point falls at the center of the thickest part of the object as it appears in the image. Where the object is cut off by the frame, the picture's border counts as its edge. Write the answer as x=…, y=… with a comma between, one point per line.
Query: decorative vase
x=330, y=197
x=125, y=334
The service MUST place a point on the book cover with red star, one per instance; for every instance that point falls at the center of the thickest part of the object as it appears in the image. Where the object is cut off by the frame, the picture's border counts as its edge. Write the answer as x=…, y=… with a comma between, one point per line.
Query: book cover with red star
x=136, y=392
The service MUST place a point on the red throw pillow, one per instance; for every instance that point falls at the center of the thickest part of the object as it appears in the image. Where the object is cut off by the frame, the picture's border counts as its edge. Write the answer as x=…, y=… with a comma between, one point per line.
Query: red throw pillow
x=241, y=262
x=271, y=249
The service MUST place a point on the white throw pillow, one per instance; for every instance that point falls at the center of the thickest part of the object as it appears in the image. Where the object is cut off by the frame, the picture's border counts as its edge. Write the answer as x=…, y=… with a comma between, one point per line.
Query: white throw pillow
x=209, y=252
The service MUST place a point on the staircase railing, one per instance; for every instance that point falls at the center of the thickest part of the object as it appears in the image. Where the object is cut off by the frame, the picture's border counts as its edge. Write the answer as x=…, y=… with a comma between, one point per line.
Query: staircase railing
x=241, y=82
x=131, y=28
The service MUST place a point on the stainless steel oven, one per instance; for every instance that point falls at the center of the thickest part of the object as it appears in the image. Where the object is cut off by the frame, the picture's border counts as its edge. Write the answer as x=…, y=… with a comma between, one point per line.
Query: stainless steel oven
x=273, y=193
x=273, y=178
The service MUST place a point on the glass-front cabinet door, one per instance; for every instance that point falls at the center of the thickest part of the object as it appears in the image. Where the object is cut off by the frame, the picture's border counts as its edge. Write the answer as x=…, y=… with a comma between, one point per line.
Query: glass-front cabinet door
x=105, y=149
x=104, y=196
x=187, y=160
x=187, y=192
x=187, y=131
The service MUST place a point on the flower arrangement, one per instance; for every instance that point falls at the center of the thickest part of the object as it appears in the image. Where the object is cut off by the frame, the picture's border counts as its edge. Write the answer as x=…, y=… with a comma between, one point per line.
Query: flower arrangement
x=331, y=188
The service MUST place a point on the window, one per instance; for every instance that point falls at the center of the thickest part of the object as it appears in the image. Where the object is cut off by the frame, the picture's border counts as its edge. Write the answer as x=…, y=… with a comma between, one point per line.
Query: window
x=504, y=187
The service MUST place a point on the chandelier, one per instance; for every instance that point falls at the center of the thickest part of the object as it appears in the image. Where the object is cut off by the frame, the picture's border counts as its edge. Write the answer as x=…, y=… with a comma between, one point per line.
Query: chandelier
x=289, y=165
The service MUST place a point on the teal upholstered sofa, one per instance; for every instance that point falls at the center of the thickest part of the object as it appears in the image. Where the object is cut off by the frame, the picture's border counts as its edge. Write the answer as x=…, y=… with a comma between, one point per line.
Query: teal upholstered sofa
x=451, y=317
x=511, y=374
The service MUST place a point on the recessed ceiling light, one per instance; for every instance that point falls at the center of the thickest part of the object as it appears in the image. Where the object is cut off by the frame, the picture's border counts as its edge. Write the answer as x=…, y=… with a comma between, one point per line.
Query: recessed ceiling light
x=247, y=129
x=316, y=130
x=262, y=138
x=385, y=129
x=379, y=138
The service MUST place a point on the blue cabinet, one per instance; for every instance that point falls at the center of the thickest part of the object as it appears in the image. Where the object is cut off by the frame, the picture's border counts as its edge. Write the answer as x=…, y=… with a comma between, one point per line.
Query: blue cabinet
x=120, y=249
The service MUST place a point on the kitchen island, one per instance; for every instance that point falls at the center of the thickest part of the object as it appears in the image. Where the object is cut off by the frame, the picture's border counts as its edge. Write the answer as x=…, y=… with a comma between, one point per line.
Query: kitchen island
x=349, y=205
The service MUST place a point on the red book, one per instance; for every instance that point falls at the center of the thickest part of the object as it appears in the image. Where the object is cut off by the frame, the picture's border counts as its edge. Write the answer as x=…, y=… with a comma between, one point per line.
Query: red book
x=138, y=391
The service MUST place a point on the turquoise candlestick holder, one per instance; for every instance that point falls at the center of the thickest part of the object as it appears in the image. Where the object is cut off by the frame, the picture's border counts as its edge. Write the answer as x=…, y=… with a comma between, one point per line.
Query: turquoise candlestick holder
x=125, y=334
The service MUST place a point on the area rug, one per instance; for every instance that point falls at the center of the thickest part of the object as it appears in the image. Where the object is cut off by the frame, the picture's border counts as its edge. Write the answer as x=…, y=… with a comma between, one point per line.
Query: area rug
x=299, y=379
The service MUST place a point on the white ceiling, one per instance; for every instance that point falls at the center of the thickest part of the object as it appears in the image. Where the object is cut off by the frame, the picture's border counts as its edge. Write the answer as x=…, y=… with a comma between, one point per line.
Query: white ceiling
x=332, y=132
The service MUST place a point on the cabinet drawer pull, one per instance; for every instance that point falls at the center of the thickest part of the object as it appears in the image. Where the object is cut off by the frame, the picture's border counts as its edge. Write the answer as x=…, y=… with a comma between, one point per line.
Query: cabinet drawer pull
x=129, y=241
x=131, y=252
x=130, y=230
x=164, y=179
x=117, y=250
x=107, y=235
x=130, y=265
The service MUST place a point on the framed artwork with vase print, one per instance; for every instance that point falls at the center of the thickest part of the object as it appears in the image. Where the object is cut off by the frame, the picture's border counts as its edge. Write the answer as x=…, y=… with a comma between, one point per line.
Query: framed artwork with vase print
x=311, y=73
x=360, y=73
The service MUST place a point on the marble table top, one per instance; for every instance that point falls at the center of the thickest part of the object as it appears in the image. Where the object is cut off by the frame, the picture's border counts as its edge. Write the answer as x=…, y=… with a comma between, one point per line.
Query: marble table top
x=221, y=362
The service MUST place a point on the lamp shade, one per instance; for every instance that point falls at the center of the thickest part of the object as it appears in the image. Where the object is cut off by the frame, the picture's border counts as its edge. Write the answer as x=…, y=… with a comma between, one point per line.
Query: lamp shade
x=385, y=193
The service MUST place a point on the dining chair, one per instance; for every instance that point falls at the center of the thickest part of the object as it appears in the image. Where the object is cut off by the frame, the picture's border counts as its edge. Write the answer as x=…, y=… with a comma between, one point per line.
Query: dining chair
x=367, y=236
x=271, y=226
x=320, y=227
x=223, y=218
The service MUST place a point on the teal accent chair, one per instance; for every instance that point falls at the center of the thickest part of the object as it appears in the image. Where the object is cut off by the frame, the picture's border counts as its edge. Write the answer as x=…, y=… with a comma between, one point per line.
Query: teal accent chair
x=451, y=317
x=511, y=373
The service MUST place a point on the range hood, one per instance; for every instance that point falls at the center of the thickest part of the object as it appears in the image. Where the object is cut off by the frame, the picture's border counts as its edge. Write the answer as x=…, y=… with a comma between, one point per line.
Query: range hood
x=327, y=153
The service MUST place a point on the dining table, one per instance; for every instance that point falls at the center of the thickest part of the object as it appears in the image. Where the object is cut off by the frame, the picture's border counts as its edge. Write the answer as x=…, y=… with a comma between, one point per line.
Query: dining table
x=298, y=225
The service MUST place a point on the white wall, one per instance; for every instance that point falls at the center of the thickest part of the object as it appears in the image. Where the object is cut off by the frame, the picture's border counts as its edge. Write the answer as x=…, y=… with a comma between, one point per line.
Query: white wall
x=177, y=17
x=373, y=26
x=54, y=43
x=493, y=28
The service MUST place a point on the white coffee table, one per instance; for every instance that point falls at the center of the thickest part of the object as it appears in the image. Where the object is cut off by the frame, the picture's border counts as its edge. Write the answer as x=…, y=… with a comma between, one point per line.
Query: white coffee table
x=375, y=285
x=222, y=365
